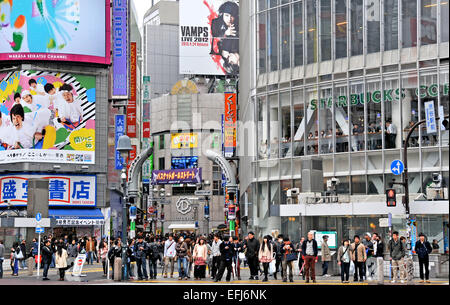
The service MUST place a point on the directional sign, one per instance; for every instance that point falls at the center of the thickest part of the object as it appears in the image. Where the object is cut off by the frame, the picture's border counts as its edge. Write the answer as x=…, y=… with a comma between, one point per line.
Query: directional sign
x=430, y=117
x=397, y=167
x=38, y=217
x=39, y=230
x=203, y=193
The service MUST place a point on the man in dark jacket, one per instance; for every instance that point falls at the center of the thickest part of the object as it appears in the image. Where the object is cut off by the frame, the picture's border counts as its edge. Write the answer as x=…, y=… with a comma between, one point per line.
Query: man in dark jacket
x=277, y=249
x=252, y=247
x=226, y=254
x=423, y=249
x=47, y=254
x=153, y=256
x=140, y=251
x=237, y=262
x=23, y=248
x=309, y=248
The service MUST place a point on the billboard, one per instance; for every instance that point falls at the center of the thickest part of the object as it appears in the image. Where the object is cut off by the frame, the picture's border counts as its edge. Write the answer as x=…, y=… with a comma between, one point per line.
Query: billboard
x=184, y=140
x=230, y=124
x=209, y=37
x=47, y=117
x=52, y=30
x=133, y=54
x=119, y=124
x=64, y=190
x=119, y=77
x=177, y=176
x=184, y=162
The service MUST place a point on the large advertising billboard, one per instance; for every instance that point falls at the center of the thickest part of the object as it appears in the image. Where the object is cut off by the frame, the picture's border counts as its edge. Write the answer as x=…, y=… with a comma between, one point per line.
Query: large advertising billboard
x=209, y=37
x=119, y=78
x=63, y=190
x=47, y=117
x=230, y=124
x=63, y=30
x=177, y=176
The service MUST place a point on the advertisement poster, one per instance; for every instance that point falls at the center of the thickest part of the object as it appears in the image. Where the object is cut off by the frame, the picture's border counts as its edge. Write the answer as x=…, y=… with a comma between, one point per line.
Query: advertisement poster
x=133, y=71
x=184, y=140
x=177, y=176
x=47, y=117
x=230, y=124
x=52, y=30
x=64, y=190
x=119, y=77
x=209, y=37
x=119, y=131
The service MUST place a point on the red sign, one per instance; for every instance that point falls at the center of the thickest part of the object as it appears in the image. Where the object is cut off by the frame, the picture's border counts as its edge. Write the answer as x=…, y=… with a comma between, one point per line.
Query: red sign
x=132, y=156
x=133, y=72
x=146, y=131
x=230, y=120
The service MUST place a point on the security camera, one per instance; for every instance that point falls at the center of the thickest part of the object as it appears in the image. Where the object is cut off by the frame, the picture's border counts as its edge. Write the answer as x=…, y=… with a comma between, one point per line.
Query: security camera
x=331, y=183
x=436, y=177
x=335, y=181
x=293, y=192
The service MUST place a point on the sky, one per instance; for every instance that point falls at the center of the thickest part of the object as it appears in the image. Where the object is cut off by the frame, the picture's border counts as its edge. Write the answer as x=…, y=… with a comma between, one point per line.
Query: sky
x=142, y=7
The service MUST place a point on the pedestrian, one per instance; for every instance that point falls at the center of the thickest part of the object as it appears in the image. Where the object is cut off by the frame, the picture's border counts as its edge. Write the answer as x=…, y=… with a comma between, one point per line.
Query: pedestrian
x=200, y=254
x=16, y=256
x=236, y=259
x=169, y=256
x=23, y=249
x=343, y=258
x=140, y=253
x=61, y=260
x=397, y=252
x=378, y=245
x=215, y=252
x=289, y=255
x=326, y=256
x=114, y=252
x=301, y=262
x=72, y=251
x=153, y=256
x=278, y=256
x=226, y=259
x=34, y=250
x=2, y=257
x=251, y=246
x=131, y=258
x=181, y=249
x=103, y=254
x=310, y=252
x=90, y=249
x=359, y=256
x=369, y=264
x=53, y=247
x=423, y=249
x=190, y=248
x=95, y=252
x=47, y=255
x=435, y=246
x=265, y=255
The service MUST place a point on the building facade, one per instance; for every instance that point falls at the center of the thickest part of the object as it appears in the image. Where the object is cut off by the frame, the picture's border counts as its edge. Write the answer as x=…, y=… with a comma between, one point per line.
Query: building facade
x=342, y=80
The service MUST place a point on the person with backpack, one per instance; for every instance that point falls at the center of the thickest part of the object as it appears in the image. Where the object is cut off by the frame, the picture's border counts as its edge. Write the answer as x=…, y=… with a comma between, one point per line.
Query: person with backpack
x=153, y=256
x=397, y=251
x=423, y=249
x=344, y=258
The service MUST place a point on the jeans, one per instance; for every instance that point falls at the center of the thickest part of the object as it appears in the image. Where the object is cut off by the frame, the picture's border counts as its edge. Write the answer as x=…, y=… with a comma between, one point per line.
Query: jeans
x=16, y=266
x=182, y=267
x=52, y=264
x=152, y=267
x=89, y=257
x=46, y=267
x=285, y=264
x=324, y=268
x=345, y=271
x=105, y=268
x=141, y=267
x=424, y=262
x=1, y=268
x=23, y=263
x=359, y=268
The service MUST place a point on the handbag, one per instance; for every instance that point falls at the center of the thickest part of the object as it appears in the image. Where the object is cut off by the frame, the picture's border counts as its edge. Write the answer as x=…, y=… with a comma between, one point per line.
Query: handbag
x=19, y=256
x=241, y=256
x=272, y=267
x=291, y=257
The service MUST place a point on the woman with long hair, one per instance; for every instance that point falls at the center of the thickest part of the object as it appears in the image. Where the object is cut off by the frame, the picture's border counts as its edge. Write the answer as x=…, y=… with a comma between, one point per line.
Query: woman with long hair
x=200, y=254
x=61, y=260
x=265, y=255
x=102, y=254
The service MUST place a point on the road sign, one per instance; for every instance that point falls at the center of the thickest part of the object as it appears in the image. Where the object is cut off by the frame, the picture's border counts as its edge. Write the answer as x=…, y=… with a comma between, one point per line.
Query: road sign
x=39, y=230
x=151, y=209
x=202, y=193
x=38, y=217
x=430, y=117
x=397, y=167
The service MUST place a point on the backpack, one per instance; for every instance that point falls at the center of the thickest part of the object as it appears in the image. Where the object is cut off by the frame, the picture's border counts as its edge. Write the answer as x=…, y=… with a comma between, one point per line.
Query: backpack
x=154, y=251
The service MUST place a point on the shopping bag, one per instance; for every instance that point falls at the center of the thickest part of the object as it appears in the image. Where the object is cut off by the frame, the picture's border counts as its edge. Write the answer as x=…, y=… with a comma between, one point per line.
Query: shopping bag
x=272, y=267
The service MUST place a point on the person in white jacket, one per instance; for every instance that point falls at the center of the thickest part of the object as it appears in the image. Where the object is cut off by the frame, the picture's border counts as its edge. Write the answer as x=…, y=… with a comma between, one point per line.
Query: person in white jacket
x=169, y=256
x=69, y=112
x=61, y=260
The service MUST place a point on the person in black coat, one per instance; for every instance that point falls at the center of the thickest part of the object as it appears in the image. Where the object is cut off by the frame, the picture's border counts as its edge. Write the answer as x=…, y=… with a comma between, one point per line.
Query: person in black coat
x=226, y=255
x=47, y=255
x=309, y=249
x=251, y=246
x=423, y=249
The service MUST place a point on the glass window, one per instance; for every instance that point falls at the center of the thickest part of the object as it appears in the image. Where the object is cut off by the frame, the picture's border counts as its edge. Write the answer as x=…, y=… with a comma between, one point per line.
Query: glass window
x=262, y=5
x=373, y=26
x=341, y=117
x=263, y=145
x=410, y=106
x=375, y=185
x=390, y=25
x=357, y=100
x=428, y=93
x=358, y=185
x=443, y=89
x=263, y=202
x=273, y=40
x=325, y=29
x=286, y=150
x=392, y=112
x=298, y=33
x=161, y=163
x=409, y=23
x=374, y=128
x=326, y=120
x=312, y=134
x=285, y=37
x=312, y=31
x=299, y=123
x=343, y=187
x=274, y=126
x=341, y=28
x=161, y=141
x=428, y=24
x=273, y=3
x=356, y=27
x=262, y=42
x=444, y=20
x=274, y=192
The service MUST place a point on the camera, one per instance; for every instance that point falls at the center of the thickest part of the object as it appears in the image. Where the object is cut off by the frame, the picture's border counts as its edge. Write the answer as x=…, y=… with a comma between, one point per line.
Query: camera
x=293, y=192
x=436, y=177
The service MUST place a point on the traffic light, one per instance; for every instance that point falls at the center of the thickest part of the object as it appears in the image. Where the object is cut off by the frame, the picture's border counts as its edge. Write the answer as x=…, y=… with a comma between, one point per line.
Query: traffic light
x=206, y=211
x=391, y=200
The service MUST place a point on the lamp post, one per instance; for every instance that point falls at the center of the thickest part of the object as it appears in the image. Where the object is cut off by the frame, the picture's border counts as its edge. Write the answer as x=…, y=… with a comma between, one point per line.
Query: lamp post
x=124, y=148
x=162, y=197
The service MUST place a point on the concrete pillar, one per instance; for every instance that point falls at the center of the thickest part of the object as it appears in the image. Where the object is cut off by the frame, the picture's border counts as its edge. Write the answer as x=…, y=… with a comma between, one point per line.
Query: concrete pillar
x=380, y=271
x=406, y=117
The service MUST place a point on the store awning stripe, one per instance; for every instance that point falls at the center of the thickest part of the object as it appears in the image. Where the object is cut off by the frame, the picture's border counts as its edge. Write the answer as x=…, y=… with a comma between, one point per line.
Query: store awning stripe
x=76, y=214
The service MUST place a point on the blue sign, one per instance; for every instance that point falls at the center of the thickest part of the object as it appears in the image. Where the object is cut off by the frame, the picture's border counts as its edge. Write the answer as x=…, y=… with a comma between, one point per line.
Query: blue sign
x=397, y=167
x=119, y=131
x=38, y=217
x=430, y=117
x=39, y=230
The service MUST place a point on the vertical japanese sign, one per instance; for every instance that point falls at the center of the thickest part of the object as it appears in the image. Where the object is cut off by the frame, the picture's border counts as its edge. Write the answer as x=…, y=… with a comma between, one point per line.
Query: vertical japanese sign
x=133, y=71
x=230, y=124
x=120, y=50
x=430, y=117
x=147, y=166
x=146, y=130
x=132, y=156
x=119, y=131
x=131, y=119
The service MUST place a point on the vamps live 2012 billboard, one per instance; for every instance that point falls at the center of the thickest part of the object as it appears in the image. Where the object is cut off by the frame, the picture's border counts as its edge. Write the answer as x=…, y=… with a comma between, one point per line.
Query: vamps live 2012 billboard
x=209, y=37
x=47, y=117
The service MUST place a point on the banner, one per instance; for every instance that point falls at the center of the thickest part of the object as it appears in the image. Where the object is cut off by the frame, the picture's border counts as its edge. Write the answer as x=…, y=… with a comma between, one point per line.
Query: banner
x=184, y=140
x=63, y=30
x=119, y=131
x=131, y=119
x=133, y=71
x=146, y=130
x=120, y=50
x=209, y=37
x=63, y=190
x=47, y=117
x=230, y=124
x=177, y=176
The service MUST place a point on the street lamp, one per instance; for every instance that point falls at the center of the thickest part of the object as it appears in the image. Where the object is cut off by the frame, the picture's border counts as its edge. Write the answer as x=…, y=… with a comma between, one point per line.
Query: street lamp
x=162, y=197
x=124, y=148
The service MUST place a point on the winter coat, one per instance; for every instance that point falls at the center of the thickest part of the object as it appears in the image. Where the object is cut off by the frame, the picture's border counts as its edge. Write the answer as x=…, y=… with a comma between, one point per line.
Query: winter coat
x=226, y=254
x=267, y=252
x=252, y=247
x=181, y=249
x=61, y=261
x=360, y=251
x=423, y=250
x=341, y=251
x=72, y=250
x=47, y=254
x=326, y=253
x=138, y=253
x=396, y=249
x=90, y=246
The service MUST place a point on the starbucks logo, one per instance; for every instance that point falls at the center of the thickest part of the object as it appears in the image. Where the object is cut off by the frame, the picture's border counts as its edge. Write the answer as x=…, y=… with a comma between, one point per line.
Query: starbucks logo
x=184, y=206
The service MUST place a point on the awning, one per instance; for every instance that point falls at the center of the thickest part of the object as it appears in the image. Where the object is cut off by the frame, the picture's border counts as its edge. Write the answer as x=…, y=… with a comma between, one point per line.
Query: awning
x=182, y=226
x=77, y=217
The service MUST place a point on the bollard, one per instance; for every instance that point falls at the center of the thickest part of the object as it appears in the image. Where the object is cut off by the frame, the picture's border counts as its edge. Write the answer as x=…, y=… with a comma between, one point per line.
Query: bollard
x=409, y=270
x=380, y=270
x=30, y=262
x=118, y=269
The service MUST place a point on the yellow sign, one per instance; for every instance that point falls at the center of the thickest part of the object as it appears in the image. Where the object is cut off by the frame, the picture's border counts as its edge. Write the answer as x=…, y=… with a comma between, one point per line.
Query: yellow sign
x=83, y=139
x=184, y=140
